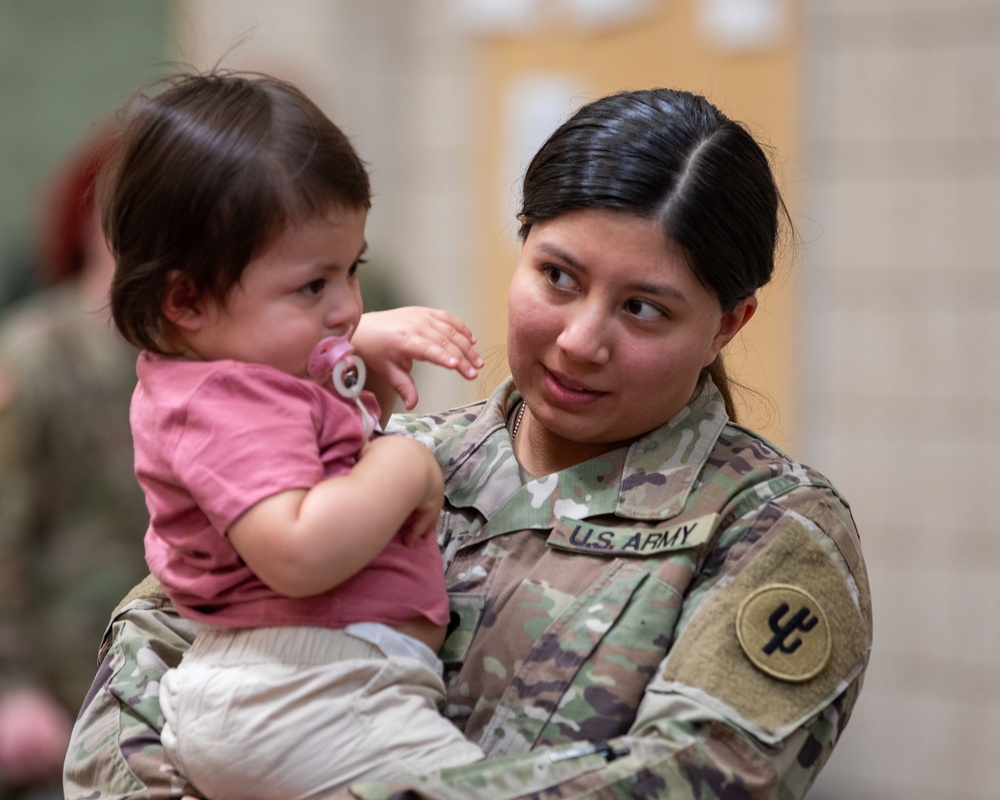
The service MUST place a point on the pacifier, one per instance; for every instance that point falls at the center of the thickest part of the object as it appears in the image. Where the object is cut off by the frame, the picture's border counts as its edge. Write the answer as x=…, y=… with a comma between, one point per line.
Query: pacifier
x=334, y=356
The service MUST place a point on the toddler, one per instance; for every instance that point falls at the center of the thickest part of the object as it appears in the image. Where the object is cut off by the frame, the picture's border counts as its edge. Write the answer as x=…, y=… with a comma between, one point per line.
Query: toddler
x=301, y=546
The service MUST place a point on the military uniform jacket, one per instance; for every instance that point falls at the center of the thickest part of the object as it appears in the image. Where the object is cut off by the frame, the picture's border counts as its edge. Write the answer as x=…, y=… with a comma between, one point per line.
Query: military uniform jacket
x=688, y=617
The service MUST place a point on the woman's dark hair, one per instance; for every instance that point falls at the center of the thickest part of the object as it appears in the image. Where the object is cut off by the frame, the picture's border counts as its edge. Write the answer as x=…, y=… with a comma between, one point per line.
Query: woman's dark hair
x=207, y=173
x=672, y=156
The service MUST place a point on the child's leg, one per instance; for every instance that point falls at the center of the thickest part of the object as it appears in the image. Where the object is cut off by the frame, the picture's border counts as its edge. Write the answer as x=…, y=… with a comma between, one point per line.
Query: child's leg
x=401, y=706
x=299, y=713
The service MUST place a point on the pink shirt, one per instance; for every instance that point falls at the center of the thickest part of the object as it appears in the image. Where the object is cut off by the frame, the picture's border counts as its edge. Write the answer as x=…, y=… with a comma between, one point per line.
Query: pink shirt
x=212, y=439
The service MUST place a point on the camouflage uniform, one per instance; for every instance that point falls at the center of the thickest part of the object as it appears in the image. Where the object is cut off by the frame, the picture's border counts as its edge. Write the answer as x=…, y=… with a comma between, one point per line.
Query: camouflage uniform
x=687, y=618
x=71, y=513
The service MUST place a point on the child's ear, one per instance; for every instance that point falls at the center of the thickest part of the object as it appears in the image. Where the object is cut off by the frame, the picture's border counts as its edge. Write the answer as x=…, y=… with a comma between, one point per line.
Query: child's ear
x=181, y=303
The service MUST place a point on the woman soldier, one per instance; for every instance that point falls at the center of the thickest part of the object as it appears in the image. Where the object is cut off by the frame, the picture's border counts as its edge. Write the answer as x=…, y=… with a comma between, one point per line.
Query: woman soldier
x=648, y=600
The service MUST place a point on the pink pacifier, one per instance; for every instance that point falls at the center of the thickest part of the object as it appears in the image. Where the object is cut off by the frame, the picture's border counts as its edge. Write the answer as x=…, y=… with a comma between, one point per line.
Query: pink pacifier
x=334, y=357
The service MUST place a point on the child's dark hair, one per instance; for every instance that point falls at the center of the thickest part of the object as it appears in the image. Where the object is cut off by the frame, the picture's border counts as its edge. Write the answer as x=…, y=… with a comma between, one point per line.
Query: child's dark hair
x=207, y=173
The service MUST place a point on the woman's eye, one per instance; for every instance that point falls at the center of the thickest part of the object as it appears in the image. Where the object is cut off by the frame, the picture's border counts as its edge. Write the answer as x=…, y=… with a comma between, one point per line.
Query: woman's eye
x=558, y=277
x=642, y=309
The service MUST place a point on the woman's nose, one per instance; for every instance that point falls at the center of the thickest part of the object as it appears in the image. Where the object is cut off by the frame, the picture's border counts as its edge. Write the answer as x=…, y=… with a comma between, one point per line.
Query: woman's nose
x=585, y=335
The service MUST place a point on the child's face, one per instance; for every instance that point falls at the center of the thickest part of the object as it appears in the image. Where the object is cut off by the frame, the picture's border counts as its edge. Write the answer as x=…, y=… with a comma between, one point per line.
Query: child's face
x=303, y=287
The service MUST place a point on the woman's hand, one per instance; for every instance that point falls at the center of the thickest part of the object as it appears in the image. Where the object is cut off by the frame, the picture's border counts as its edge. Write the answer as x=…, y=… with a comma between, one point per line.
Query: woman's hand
x=34, y=735
x=390, y=341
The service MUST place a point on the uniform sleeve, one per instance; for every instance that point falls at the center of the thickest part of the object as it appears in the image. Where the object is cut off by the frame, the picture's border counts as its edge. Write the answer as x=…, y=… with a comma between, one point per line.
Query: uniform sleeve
x=754, y=693
x=115, y=749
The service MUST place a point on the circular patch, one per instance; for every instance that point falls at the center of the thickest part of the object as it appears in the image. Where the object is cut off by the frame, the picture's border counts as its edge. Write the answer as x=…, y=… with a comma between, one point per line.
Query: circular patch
x=784, y=632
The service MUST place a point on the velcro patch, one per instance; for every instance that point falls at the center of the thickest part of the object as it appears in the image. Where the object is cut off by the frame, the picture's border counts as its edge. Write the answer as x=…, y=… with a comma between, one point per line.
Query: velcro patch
x=148, y=588
x=585, y=537
x=709, y=660
x=784, y=632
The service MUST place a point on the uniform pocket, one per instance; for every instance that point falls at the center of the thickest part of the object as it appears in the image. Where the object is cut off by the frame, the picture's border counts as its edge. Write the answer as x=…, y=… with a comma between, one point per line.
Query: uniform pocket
x=547, y=696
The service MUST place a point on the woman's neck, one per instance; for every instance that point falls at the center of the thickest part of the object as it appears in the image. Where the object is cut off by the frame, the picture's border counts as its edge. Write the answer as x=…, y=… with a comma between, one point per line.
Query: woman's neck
x=541, y=452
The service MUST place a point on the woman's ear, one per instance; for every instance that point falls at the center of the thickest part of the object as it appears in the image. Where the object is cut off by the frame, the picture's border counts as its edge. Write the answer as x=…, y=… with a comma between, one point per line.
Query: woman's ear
x=181, y=304
x=732, y=322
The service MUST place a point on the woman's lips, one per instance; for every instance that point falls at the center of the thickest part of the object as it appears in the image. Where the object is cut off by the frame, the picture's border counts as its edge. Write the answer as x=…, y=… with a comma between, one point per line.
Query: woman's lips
x=568, y=390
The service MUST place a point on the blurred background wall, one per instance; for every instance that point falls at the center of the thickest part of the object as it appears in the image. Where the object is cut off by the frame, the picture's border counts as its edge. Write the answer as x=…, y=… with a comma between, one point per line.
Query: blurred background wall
x=900, y=390
x=62, y=66
x=872, y=357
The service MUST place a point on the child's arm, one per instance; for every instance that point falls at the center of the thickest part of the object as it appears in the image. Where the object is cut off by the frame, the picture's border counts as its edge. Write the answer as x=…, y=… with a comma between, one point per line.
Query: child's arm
x=303, y=542
x=390, y=341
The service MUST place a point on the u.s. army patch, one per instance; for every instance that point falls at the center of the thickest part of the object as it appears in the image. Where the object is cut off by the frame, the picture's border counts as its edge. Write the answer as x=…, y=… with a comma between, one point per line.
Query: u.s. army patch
x=586, y=537
x=784, y=632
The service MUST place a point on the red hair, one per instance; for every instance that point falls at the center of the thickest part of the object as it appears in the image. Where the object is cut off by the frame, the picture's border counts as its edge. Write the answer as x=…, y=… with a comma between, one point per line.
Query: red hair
x=68, y=210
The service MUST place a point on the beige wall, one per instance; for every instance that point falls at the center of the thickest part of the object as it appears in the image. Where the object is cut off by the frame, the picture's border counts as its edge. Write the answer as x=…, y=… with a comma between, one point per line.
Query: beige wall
x=902, y=390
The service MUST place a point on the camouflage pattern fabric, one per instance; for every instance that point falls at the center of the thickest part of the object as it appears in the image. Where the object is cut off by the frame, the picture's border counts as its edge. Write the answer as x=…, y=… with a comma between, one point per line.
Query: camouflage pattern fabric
x=686, y=618
x=71, y=513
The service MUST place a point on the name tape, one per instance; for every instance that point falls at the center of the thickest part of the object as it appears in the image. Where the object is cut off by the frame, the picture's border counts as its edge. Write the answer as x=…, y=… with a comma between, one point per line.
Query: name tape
x=584, y=537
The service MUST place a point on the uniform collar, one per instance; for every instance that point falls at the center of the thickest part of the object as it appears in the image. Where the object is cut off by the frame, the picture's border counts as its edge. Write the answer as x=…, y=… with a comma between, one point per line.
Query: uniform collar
x=650, y=480
x=662, y=467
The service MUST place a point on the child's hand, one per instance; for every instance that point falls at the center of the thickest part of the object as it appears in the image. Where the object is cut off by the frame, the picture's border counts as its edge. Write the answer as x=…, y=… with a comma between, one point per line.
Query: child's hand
x=390, y=341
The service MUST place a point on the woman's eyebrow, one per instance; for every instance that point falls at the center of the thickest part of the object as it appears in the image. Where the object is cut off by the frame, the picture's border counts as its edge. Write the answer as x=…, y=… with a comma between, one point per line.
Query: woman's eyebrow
x=555, y=250
x=659, y=290
x=643, y=287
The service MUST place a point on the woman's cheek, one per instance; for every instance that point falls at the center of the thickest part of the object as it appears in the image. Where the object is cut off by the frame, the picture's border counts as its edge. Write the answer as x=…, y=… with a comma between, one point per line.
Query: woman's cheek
x=531, y=325
x=521, y=305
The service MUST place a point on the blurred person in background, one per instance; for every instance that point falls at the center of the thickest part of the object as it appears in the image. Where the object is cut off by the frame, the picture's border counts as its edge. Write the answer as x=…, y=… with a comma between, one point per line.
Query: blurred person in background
x=71, y=513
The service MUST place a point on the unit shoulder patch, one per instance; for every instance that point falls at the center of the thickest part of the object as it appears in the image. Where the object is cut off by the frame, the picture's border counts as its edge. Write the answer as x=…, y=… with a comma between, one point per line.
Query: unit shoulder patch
x=784, y=632
x=773, y=644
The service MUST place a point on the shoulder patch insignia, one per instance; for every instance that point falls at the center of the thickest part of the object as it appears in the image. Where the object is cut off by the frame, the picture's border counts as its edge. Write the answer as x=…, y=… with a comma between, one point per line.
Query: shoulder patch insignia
x=759, y=663
x=784, y=632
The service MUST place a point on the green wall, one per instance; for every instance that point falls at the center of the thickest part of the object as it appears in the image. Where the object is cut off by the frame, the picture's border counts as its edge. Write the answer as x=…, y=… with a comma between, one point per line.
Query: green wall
x=63, y=65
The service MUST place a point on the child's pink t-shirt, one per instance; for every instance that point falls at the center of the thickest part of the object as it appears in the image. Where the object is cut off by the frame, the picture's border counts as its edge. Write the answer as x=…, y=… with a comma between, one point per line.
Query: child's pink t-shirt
x=212, y=439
